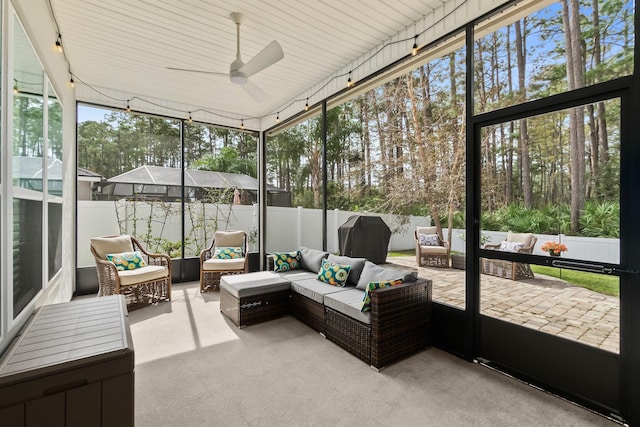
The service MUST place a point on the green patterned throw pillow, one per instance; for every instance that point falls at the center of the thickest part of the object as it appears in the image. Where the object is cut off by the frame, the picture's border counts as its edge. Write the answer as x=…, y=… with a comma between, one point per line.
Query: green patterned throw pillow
x=366, y=301
x=127, y=260
x=286, y=261
x=334, y=274
x=232, y=252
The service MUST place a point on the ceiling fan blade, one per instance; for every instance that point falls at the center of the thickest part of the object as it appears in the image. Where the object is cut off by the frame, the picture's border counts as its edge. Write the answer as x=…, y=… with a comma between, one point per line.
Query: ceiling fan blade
x=268, y=56
x=198, y=71
x=256, y=93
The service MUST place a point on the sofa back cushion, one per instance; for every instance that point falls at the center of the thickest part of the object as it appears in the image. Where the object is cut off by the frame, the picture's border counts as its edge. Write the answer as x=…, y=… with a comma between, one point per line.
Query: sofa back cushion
x=375, y=273
x=311, y=259
x=357, y=264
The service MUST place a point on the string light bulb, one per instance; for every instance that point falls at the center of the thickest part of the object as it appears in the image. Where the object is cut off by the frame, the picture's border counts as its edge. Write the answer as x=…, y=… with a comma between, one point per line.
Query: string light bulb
x=242, y=124
x=15, y=86
x=306, y=105
x=414, y=50
x=190, y=119
x=71, y=82
x=128, y=106
x=349, y=81
x=59, y=43
x=278, y=117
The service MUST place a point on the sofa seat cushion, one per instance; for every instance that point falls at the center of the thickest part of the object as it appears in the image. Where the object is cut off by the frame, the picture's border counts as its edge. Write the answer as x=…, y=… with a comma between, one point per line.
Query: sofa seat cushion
x=223, y=264
x=314, y=289
x=357, y=264
x=142, y=274
x=251, y=284
x=375, y=273
x=348, y=303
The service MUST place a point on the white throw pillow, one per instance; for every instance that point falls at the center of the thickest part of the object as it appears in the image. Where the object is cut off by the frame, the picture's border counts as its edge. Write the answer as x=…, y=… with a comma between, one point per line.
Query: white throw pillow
x=511, y=246
x=428, y=240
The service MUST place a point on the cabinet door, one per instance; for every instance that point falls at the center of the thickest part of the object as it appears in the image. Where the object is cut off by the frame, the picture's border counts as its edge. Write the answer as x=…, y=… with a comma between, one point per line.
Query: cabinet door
x=47, y=411
x=83, y=406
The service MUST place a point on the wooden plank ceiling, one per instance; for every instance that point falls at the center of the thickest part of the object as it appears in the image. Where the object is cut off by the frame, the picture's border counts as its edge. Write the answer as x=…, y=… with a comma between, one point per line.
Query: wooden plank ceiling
x=127, y=45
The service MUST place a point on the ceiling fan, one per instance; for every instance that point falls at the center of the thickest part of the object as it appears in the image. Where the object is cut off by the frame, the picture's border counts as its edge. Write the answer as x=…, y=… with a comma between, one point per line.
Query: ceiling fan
x=239, y=72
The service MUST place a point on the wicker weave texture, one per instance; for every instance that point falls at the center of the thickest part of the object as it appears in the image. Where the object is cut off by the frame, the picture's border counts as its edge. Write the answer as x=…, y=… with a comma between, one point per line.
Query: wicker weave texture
x=400, y=322
x=507, y=269
x=308, y=311
x=400, y=325
x=348, y=333
x=254, y=309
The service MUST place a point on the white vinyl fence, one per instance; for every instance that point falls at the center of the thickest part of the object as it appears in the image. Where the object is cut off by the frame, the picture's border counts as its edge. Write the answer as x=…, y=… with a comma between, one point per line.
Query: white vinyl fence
x=287, y=228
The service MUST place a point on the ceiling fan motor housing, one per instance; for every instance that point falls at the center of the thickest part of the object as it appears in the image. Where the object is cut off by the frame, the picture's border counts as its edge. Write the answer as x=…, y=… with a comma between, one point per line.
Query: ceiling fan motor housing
x=235, y=74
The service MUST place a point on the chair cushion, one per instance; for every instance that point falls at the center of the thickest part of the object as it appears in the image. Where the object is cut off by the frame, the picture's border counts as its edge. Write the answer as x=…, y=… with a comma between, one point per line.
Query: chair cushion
x=375, y=273
x=427, y=230
x=142, y=274
x=223, y=264
x=111, y=245
x=286, y=261
x=357, y=264
x=314, y=289
x=334, y=274
x=127, y=260
x=435, y=250
x=229, y=238
x=524, y=238
x=348, y=303
x=310, y=259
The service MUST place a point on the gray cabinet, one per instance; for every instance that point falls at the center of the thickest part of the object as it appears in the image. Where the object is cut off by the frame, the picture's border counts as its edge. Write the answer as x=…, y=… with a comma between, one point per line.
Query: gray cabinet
x=72, y=365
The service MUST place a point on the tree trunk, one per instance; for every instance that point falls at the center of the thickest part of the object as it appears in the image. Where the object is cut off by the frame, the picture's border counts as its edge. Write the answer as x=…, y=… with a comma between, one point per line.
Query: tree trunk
x=575, y=77
x=521, y=51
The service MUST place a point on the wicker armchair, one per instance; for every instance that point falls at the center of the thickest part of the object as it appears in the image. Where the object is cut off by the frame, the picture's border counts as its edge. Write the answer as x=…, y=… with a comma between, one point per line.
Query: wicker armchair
x=435, y=255
x=140, y=286
x=211, y=268
x=509, y=269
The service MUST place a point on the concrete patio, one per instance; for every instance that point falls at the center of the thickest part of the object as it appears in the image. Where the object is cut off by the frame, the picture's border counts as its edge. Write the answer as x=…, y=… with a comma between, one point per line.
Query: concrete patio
x=543, y=303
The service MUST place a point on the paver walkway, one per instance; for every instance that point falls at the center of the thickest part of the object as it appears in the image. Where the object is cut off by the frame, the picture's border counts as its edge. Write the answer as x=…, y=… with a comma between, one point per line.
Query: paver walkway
x=544, y=303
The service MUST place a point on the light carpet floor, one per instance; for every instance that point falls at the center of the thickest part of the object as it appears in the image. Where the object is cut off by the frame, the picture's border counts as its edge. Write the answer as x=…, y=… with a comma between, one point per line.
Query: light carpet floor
x=195, y=368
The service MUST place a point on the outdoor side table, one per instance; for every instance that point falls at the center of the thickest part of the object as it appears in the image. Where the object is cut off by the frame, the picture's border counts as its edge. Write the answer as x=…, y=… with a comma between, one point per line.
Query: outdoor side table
x=252, y=298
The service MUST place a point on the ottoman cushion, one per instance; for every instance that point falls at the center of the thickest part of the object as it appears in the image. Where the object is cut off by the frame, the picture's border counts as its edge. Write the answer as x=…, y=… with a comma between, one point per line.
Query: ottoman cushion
x=250, y=284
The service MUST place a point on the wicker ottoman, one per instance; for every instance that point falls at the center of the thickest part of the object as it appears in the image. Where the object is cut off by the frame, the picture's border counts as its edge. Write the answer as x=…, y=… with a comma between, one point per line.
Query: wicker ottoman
x=252, y=298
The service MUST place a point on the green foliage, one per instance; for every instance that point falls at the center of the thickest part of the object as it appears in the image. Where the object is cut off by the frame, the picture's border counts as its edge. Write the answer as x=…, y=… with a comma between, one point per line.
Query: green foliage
x=598, y=219
x=227, y=160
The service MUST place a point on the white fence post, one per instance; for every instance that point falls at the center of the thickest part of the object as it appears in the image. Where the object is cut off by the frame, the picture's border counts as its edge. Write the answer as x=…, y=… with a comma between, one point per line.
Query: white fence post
x=300, y=228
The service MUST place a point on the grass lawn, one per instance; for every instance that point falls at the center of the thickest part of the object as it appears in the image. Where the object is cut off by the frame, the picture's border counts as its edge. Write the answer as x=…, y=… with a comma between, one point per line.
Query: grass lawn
x=601, y=283
x=406, y=252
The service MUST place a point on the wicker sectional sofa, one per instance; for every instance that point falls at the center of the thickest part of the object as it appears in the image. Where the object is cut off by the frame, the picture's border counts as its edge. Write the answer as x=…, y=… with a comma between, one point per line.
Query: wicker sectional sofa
x=397, y=325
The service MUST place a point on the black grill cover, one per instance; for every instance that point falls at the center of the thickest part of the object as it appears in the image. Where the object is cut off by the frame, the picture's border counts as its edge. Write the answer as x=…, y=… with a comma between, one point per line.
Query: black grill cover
x=364, y=237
